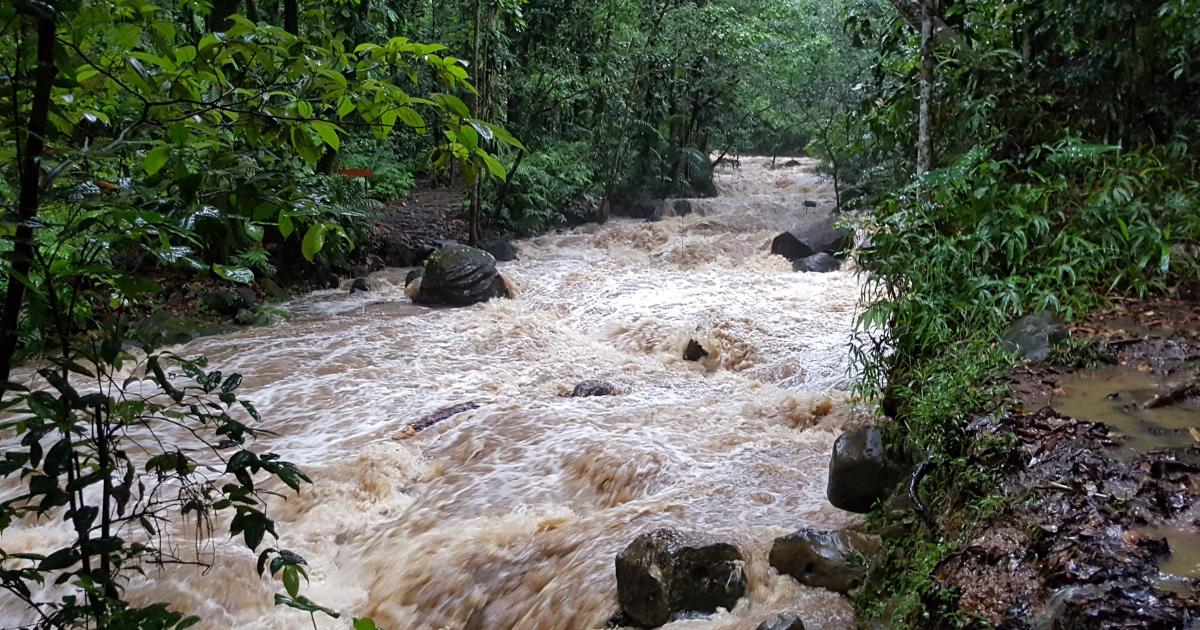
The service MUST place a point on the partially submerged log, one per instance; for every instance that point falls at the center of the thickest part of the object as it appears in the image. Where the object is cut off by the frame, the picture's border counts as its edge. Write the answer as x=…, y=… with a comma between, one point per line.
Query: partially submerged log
x=1177, y=395
x=434, y=418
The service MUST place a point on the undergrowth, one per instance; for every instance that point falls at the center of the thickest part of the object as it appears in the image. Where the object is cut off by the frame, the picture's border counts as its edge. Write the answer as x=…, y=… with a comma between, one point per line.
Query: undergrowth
x=957, y=256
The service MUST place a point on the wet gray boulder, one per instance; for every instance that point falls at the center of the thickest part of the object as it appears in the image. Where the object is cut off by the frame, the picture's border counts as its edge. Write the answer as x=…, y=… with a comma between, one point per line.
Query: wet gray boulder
x=500, y=249
x=817, y=263
x=274, y=291
x=829, y=560
x=359, y=285
x=817, y=237
x=593, y=388
x=681, y=207
x=694, y=351
x=636, y=208
x=244, y=317
x=228, y=302
x=667, y=573
x=1034, y=336
x=459, y=275
x=782, y=621
x=860, y=472
x=413, y=275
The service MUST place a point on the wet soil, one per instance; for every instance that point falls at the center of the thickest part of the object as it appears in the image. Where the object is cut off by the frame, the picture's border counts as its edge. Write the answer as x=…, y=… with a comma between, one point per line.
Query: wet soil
x=1101, y=524
x=407, y=229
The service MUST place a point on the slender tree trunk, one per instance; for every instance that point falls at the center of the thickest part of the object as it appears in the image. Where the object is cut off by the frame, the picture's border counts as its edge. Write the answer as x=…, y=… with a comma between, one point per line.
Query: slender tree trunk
x=925, y=131
x=222, y=10
x=291, y=16
x=29, y=195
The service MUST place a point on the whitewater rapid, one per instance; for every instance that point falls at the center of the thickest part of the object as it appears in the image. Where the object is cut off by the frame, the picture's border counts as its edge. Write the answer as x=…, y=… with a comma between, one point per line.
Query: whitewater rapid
x=510, y=515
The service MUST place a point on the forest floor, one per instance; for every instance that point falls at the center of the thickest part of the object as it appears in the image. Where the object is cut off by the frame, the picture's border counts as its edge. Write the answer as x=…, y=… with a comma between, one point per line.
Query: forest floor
x=1098, y=523
x=418, y=221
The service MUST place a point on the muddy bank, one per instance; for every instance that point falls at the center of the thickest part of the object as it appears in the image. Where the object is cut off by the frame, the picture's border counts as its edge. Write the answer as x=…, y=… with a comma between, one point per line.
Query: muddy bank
x=1099, y=524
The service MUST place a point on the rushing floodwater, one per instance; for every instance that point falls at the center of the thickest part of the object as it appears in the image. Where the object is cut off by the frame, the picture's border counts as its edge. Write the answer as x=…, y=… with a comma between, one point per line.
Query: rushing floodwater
x=510, y=515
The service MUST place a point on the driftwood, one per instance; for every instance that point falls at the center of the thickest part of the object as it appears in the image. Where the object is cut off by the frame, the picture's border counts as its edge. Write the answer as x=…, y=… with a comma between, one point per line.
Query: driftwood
x=434, y=418
x=1179, y=394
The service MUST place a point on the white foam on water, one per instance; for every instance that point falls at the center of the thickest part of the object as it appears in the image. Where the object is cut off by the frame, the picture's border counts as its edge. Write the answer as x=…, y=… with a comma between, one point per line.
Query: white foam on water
x=510, y=515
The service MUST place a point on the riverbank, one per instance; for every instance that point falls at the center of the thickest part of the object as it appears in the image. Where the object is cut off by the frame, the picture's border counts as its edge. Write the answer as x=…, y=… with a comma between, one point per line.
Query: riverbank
x=1074, y=503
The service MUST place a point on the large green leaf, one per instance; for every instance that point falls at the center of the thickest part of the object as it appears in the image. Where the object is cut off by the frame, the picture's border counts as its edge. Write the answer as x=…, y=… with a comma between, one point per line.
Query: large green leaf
x=314, y=240
x=156, y=158
x=240, y=275
x=328, y=133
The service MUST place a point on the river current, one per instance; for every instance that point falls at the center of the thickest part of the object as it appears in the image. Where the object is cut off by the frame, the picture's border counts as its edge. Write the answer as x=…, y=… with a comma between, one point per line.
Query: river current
x=510, y=515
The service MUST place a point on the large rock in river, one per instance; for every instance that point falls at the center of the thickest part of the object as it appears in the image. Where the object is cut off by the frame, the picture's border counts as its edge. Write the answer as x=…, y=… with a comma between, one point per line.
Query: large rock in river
x=802, y=242
x=830, y=560
x=459, y=275
x=782, y=621
x=501, y=249
x=817, y=263
x=665, y=573
x=860, y=471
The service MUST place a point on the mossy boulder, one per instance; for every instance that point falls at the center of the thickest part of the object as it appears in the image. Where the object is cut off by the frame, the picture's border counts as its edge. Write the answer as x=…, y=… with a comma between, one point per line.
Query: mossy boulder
x=459, y=275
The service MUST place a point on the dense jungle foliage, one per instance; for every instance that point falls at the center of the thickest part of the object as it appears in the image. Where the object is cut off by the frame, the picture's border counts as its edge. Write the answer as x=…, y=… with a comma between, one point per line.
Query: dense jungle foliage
x=152, y=151
x=149, y=146
x=1065, y=138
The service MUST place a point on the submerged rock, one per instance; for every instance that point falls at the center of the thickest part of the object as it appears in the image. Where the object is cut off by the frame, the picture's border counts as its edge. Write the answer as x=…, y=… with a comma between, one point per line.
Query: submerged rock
x=820, y=236
x=782, y=621
x=415, y=274
x=359, y=284
x=666, y=573
x=829, y=560
x=502, y=250
x=860, y=472
x=593, y=388
x=694, y=351
x=681, y=207
x=228, y=302
x=817, y=263
x=458, y=275
x=1034, y=336
x=636, y=208
x=244, y=317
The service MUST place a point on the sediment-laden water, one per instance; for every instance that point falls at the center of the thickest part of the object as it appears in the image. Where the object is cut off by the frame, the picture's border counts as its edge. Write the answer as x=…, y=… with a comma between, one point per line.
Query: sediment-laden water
x=510, y=515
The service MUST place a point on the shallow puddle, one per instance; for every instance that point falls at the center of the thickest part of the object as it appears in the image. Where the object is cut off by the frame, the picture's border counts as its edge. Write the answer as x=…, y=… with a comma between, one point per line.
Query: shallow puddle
x=1181, y=568
x=1116, y=397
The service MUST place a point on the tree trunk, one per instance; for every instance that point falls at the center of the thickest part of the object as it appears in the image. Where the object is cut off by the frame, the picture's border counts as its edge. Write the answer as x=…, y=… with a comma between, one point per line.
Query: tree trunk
x=291, y=16
x=222, y=10
x=924, y=122
x=29, y=193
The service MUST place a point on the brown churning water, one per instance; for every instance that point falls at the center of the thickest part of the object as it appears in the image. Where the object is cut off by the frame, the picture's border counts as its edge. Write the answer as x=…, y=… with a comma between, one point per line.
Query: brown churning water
x=510, y=515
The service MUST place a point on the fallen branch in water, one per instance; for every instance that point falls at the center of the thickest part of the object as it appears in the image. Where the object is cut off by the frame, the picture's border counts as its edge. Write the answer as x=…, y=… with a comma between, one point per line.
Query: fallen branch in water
x=434, y=418
x=1175, y=395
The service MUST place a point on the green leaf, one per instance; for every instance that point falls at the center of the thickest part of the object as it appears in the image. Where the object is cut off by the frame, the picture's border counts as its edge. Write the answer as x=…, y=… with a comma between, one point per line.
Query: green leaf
x=328, y=132
x=156, y=158
x=86, y=72
x=411, y=118
x=254, y=231
x=285, y=224
x=454, y=104
x=291, y=581
x=504, y=136
x=60, y=559
x=364, y=623
x=493, y=166
x=240, y=275
x=314, y=240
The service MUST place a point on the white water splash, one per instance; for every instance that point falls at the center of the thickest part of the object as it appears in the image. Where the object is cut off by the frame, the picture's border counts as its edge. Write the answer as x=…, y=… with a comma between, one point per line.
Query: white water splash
x=510, y=515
